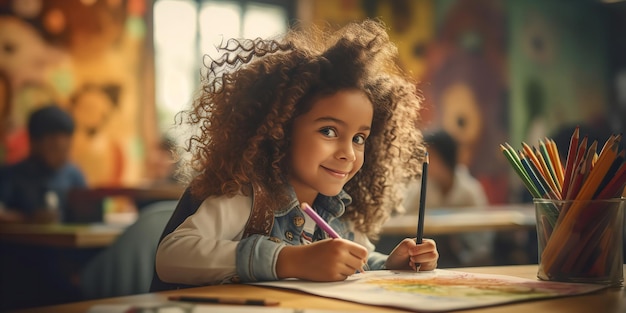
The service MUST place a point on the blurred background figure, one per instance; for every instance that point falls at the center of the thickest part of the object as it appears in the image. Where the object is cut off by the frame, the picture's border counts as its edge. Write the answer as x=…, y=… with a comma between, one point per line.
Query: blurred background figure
x=451, y=186
x=161, y=164
x=35, y=189
x=450, y=183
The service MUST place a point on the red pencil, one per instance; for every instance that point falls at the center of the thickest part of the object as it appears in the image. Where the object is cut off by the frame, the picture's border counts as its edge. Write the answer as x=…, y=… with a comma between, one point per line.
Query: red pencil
x=571, y=159
x=577, y=164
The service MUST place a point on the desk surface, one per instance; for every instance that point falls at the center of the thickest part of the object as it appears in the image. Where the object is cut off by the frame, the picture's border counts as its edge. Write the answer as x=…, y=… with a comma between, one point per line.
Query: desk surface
x=606, y=301
x=60, y=236
x=441, y=221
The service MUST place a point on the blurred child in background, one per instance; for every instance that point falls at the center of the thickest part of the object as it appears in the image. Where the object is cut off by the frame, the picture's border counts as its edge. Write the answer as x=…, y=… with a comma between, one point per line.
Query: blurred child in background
x=35, y=189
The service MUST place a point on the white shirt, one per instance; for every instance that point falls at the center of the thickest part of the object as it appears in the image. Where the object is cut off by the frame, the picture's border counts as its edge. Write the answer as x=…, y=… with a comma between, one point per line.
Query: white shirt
x=466, y=191
x=202, y=249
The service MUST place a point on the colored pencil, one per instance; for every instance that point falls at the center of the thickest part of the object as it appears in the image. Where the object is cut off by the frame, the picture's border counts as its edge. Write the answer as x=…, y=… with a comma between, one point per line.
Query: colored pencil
x=224, y=300
x=521, y=173
x=569, y=163
x=612, y=173
x=545, y=168
x=543, y=149
x=561, y=239
x=556, y=160
x=537, y=179
x=321, y=223
x=531, y=155
x=549, y=193
x=420, y=221
x=578, y=237
x=580, y=154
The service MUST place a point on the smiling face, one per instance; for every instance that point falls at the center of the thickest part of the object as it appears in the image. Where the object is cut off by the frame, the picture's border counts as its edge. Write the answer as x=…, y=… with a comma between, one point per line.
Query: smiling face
x=328, y=144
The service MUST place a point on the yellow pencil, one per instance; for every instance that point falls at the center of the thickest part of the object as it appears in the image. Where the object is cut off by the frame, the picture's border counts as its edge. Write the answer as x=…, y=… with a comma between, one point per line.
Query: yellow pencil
x=556, y=160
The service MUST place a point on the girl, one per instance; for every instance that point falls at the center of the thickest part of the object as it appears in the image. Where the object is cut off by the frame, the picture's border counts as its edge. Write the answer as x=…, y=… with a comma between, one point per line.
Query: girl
x=326, y=119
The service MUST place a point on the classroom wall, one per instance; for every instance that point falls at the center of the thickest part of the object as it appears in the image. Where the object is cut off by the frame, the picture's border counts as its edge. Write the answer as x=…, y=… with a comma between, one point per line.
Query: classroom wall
x=502, y=71
x=88, y=58
x=491, y=71
x=559, y=66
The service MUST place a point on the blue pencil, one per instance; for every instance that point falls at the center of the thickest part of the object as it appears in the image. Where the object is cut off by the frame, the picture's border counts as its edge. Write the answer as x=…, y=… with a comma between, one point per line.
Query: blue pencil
x=534, y=178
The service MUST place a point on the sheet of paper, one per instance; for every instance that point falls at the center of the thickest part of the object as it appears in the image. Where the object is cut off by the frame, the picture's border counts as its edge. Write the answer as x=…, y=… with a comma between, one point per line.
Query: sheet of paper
x=435, y=291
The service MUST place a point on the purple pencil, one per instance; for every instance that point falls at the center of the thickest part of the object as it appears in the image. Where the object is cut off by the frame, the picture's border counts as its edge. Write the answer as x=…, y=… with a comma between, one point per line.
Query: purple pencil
x=318, y=220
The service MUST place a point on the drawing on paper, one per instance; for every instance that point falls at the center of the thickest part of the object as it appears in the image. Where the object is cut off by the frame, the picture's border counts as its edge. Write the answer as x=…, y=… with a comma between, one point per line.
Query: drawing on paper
x=438, y=290
x=469, y=286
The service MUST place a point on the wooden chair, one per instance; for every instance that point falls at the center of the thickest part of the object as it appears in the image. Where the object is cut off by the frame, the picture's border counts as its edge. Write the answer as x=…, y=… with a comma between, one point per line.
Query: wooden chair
x=126, y=267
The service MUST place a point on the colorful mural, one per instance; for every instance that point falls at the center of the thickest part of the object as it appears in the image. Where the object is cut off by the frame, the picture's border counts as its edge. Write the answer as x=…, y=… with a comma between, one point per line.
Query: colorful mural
x=86, y=57
x=466, y=85
x=498, y=71
x=559, y=67
x=491, y=72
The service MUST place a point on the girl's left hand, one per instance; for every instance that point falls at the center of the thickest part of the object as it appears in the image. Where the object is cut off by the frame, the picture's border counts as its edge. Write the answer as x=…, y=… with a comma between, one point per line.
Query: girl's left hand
x=407, y=253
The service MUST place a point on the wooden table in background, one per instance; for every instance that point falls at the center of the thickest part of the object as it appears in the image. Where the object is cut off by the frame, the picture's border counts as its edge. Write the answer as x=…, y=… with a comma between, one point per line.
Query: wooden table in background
x=60, y=235
x=443, y=221
x=86, y=205
x=611, y=300
x=437, y=222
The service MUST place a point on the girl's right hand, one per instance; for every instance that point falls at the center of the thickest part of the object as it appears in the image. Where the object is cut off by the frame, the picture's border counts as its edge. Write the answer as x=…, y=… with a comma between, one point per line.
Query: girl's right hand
x=324, y=260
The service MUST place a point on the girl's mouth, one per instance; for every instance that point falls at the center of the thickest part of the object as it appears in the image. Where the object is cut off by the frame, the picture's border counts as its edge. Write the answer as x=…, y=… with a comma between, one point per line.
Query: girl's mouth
x=335, y=173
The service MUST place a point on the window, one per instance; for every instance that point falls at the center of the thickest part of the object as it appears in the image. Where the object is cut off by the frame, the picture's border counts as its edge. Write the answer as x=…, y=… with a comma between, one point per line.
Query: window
x=186, y=30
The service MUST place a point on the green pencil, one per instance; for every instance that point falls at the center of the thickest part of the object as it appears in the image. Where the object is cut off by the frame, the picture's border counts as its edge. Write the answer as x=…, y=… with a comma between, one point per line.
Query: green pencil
x=520, y=172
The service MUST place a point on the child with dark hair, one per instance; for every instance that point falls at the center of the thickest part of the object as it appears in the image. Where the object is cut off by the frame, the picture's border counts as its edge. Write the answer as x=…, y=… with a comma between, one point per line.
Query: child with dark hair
x=35, y=189
x=322, y=118
x=449, y=183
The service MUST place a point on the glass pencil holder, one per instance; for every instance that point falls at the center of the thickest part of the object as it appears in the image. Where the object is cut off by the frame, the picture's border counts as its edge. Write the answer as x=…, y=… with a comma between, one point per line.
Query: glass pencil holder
x=581, y=241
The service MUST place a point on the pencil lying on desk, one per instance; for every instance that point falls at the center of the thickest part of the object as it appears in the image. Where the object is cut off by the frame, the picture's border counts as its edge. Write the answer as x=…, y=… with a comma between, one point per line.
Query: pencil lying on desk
x=224, y=300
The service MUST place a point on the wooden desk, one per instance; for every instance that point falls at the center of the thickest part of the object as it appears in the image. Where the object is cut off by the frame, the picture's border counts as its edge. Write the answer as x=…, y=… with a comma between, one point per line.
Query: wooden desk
x=442, y=221
x=60, y=236
x=607, y=301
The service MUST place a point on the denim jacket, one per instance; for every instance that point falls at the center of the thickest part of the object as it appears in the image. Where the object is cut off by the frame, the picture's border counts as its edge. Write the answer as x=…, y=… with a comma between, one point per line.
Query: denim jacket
x=257, y=254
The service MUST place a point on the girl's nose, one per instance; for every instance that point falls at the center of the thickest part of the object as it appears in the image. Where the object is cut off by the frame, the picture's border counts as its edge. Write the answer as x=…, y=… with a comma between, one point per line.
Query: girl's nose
x=346, y=152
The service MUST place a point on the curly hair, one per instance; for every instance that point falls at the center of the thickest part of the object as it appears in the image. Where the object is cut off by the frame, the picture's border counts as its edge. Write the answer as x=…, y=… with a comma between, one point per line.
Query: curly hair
x=250, y=96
